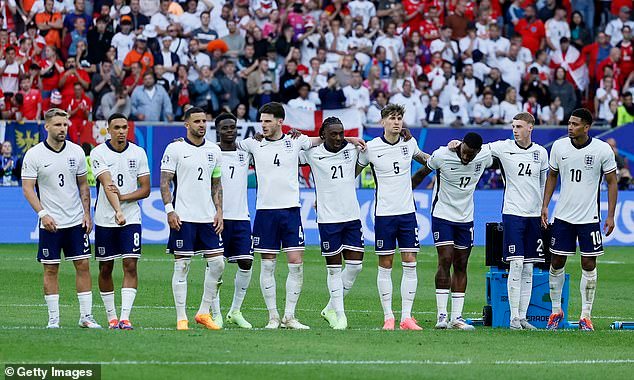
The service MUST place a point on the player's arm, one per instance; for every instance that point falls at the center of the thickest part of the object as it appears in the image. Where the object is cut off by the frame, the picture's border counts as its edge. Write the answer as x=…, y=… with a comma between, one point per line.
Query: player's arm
x=613, y=191
x=142, y=191
x=28, y=189
x=420, y=175
x=551, y=184
x=421, y=157
x=84, y=194
x=112, y=195
x=216, y=196
x=172, y=218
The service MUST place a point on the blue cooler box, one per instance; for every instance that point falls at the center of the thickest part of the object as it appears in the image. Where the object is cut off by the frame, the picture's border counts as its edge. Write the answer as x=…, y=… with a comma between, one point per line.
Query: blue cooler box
x=540, y=305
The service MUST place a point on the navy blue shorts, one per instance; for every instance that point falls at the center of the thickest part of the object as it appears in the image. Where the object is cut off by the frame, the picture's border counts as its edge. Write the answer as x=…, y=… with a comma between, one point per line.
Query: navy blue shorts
x=194, y=239
x=388, y=230
x=237, y=240
x=117, y=242
x=460, y=235
x=523, y=238
x=273, y=229
x=73, y=240
x=335, y=237
x=564, y=238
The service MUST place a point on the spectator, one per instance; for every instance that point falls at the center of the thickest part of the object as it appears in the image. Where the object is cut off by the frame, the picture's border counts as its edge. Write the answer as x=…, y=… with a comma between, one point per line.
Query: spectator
x=444, y=45
x=399, y=75
x=242, y=114
x=262, y=9
x=315, y=78
x=533, y=85
x=532, y=30
x=139, y=20
x=247, y=62
x=625, y=112
x=357, y=96
x=72, y=75
x=413, y=107
x=579, y=32
x=570, y=59
x=374, y=82
x=455, y=114
x=497, y=85
x=512, y=69
x=123, y=41
x=332, y=97
x=168, y=60
x=497, y=47
x=433, y=112
x=457, y=22
x=195, y=60
x=627, y=56
x=556, y=28
x=309, y=42
x=532, y=106
x=510, y=106
x=231, y=87
x=392, y=44
x=561, y=88
x=486, y=112
x=204, y=90
x=204, y=34
x=596, y=52
x=50, y=24
x=151, y=102
x=235, y=41
x=31, y=101
x=162, y=19
x=302, y=101
x=344, y=72
x=374, y=111
x=543, y=70
x=180, y=92
x=134, y=79
x=190, y=19
x=11, y=71
x=78, y=13
x=179, y=45
x=116, y=101
x=380, y=60
x=613, y=62
x=623, y=173
x=80, y=111
x=335, y=42
x=614, y=28
x=604, y=95
x=79, y=33
x=10, y=168
x=261, y=86
x=140, y=54
x=553, y=114
x=99, y=39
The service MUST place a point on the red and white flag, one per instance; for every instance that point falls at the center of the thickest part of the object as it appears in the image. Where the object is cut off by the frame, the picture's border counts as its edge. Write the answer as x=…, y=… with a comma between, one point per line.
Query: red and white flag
x=574, y=64
x=309, y=122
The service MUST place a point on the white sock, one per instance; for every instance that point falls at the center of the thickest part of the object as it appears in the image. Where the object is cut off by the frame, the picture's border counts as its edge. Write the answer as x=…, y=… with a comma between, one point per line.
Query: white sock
x=243, y=278
x=108, y=303
x=215, y=303
x=515, y=287
x=350, y=273
x=213, y=273
x=384, y=283
x=127, y=300
x=267, y=284
x=85, y=303
x=335, y=288
x=52, y=301
x=179, y=286
x=457, y=302
x=409, y=283
x=442, y=297
x=556, y=283
x=294, y=282
x=527, y=289
x=587, y=287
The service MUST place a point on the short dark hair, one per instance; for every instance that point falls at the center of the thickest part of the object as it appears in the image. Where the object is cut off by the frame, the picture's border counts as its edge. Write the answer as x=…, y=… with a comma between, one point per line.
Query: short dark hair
x=225, y=116
x=392, y=109
x=302, y=85
x=274, y=108
x=327, y=123
x=626, y=94
x=473, y=140
x=191, y=111
x=116, y=116
x=584, y=114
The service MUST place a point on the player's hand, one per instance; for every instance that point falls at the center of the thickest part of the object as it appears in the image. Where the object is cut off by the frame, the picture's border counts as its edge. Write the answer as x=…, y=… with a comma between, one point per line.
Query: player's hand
x=453, y=145
x=608, y=227
x=294, y=133
x=49, y=223
x=258, y=137
x=174, y=221
x=119, y=218
x=358, y=142
x=545, y=217
x=218, y=223
x=406, y=134
x=87, y=223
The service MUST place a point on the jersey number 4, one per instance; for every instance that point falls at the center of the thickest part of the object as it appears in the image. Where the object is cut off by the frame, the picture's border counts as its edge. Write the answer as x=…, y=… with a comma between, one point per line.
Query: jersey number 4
x=276, y=160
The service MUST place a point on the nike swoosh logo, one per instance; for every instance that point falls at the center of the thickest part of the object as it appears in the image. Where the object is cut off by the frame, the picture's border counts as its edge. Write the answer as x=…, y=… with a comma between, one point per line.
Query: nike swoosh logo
x=332, y=291
x=86, y=250
x=46, y=166
x=563, y=158
x=320, y=158
x=380, y=155
x=411, y=292
x=268, y=287
x=512, y=153
x=385, y=294
x=453, y=168
x=136, y=249
x=596, y=248
x=186, y=156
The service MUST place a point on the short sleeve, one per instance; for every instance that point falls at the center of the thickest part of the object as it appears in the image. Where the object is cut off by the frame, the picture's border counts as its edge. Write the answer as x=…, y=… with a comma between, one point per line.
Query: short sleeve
x=608, y=161
x=246, y=145
x=544, y=159
x=144, y=168
x=82, y=168
x=29, y=166
x=305, y=142
x=413, y=144
x=363, y=159
x=304, y=157
x=554, y=159
x=99, y=164
x=434, y=161
x=489, y=153
x=495, y=148
x=169, y=160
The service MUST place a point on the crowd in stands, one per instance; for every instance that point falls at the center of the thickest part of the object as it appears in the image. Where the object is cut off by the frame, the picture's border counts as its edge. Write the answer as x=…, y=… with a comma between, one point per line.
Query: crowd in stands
x=451, y=62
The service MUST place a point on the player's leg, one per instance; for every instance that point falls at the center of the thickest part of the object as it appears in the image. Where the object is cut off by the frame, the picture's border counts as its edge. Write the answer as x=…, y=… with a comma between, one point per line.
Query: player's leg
x=385, y=232
x=209, y=244
x=513, y=254
x=77, y=249
x=266, y=242
x=106, y=250
x=409, y=247
x=533, y=253
x=353, y=249
x=130, y=242
x=463, y=241
x=563, y=243
x=180, y=244
x=591, y=246
x=331, y=236
x=238, y=248
x=49, y=254
x=292, y=236
x=444, y=241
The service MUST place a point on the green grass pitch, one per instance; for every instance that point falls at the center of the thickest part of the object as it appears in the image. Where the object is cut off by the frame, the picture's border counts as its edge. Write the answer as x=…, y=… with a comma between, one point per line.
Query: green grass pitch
x=155, y=350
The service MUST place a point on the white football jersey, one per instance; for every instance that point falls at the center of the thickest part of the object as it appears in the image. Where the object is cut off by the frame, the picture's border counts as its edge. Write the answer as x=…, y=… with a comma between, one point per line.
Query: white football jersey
x=56, y=175
x=125, y=169
x=456, y=183
x=235, y=177
x=193, y=167
x=392, y=168
x=335, y=183
x=524, y=173
x=580, y=171
x=276, y=170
